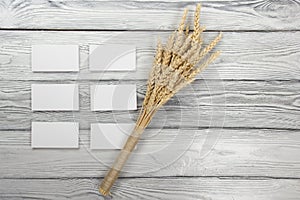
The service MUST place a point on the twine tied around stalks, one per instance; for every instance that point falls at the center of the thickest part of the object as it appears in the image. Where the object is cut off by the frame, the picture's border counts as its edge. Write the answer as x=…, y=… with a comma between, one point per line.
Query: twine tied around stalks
x=176, y=65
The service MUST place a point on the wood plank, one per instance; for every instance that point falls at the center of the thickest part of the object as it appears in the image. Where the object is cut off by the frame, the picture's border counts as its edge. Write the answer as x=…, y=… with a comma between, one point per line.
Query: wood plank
x=152, y=188
x=161, y=152
x=252, y=104
x=245, y=55
x=148, y=15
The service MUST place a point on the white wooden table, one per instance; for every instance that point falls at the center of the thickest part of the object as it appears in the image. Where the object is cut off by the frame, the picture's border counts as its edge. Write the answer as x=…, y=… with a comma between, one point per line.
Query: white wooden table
x=245, y=108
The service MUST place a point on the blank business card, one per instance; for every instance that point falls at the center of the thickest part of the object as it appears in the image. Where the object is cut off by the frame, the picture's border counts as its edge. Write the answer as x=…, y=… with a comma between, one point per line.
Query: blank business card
x=55, y=58
x=110, y=57
x=54, y=134
x=109, y=136
x=64, y=97
x=113, y=97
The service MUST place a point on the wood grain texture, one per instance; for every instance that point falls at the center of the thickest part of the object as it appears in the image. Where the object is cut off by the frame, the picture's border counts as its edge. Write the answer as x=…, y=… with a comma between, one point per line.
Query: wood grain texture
x=245, y=55
x=152, y=188
x=148, y=15
x=248, y=104
x=160, y=153
x=252, y=90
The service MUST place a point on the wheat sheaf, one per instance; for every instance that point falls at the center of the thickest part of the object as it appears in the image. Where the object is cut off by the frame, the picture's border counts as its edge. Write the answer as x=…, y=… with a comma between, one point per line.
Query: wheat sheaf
x=176, y=65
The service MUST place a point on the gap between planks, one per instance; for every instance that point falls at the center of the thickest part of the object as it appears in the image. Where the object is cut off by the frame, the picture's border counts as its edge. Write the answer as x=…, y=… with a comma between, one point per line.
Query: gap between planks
x=142, y=30
x=228, y=177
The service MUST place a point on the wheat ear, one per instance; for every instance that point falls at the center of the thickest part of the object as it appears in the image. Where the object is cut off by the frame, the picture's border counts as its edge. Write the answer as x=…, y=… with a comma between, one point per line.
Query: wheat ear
x=175, y=65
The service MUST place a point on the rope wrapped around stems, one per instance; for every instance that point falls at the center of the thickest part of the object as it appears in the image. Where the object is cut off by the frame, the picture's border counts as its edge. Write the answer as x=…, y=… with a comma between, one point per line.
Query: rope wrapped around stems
x=176, y=65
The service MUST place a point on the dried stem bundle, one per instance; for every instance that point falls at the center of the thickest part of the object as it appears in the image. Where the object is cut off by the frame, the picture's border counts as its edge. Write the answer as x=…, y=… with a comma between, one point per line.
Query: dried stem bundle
x=176, y=65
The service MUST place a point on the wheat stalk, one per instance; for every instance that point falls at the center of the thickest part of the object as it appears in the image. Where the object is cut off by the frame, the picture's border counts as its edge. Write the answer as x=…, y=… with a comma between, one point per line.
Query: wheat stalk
x=175, y=66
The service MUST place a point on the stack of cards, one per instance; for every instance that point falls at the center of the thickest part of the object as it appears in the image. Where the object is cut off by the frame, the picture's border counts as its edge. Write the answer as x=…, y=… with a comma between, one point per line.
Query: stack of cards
x=65, y=97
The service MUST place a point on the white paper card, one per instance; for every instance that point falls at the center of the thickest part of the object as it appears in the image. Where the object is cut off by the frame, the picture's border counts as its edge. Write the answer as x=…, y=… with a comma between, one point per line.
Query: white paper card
x=113, y=97
x=109, y=136
x=64, y=97
x=55, y=58
x=110, y=57
x=54, y=135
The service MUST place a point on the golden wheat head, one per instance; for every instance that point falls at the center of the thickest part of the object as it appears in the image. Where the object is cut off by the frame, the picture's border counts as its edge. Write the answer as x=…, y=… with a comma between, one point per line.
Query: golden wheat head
x=176, y=64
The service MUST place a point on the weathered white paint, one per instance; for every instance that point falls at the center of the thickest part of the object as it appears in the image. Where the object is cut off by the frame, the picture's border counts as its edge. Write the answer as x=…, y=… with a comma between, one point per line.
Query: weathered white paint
x=253, y=86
